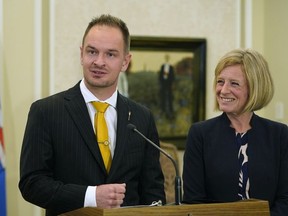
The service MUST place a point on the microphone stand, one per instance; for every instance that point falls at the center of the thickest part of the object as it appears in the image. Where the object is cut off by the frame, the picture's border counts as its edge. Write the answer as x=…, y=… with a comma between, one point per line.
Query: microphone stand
x=178, y=184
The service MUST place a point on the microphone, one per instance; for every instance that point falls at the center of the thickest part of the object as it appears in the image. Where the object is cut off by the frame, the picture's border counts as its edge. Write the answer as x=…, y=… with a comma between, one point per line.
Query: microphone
x=178, y=187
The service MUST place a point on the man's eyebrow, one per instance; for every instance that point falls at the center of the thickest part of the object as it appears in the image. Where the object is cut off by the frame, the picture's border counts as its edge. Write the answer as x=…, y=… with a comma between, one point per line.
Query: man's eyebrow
x=108, y=50
x=113, y=50
x=90, y=47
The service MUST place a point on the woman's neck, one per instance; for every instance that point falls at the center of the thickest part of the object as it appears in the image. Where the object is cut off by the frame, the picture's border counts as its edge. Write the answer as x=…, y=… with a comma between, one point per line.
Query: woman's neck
x=241, y=123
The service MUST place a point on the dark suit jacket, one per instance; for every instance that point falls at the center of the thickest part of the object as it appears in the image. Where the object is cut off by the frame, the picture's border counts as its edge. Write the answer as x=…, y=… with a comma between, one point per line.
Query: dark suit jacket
x=211, y=169
x=60, y=156
x=170, y=78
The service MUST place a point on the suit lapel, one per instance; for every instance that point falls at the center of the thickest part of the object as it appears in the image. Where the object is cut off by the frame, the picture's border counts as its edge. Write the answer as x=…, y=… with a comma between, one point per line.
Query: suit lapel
x=77, y=109
x=121, y=140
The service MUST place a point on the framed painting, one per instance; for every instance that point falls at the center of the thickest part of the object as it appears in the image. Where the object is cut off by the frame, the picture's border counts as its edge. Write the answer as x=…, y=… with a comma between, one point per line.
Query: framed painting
x=168, y=76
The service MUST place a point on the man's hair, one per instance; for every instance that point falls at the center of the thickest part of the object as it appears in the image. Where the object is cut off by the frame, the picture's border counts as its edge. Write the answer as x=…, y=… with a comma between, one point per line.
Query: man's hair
x=256, y=72
x=109, y=20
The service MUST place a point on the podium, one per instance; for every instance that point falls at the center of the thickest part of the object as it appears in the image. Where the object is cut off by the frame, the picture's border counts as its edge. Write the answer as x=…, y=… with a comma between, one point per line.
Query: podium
x=239, y=208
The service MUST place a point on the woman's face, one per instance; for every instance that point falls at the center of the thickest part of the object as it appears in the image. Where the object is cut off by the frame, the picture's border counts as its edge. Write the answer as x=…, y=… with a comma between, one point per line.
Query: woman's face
x=232, y=90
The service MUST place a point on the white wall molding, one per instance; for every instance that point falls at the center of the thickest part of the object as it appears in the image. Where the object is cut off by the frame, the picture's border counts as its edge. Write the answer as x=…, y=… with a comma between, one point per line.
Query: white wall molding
x=1, y=48
x=37, y=48
x=248, y=23
x=52, y=46
x=37, y=62
x=238, y=23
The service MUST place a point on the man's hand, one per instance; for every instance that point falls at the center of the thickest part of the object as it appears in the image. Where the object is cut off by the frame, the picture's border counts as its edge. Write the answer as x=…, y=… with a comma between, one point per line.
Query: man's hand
x=110, y=195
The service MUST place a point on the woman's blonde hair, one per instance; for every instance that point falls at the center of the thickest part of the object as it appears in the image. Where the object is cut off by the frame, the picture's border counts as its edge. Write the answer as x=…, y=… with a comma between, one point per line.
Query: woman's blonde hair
x=257, y=74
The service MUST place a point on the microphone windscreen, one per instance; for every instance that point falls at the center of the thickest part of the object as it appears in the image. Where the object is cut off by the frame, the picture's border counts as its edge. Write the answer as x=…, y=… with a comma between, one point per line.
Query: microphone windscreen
x=131, y=126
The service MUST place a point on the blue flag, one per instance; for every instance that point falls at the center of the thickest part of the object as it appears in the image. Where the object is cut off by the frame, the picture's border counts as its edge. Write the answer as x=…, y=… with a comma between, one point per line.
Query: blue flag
x=2, y=170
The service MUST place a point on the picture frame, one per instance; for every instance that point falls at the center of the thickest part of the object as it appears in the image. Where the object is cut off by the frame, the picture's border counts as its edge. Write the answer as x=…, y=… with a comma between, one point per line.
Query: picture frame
x=176, y=101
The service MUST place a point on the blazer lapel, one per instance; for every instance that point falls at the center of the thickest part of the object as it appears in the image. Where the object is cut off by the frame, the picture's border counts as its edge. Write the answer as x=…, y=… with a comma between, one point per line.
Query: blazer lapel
x=123, y=110
x=77, y=108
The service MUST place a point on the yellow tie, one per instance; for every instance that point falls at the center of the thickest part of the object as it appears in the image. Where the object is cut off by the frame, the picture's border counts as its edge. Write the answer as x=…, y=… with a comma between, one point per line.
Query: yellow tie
x=102, y=133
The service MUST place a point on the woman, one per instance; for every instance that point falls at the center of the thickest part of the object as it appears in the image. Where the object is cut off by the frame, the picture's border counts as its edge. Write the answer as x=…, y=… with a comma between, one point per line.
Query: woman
x=238, y=155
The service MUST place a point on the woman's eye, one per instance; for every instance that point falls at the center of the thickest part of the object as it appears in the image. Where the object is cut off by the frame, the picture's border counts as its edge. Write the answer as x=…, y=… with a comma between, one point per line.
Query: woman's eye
x=220, y=81
x=235, y=83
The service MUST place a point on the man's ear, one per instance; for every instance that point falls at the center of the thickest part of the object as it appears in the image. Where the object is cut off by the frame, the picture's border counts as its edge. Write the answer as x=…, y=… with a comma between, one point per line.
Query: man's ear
x=126, y=62
x=81, y=55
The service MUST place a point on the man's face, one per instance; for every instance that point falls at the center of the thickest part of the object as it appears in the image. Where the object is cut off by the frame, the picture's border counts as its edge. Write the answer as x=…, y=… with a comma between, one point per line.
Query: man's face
x=103, y=57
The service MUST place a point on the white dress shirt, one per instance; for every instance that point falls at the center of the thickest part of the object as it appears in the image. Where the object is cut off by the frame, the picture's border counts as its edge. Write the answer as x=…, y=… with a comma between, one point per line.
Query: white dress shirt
x=111, y=121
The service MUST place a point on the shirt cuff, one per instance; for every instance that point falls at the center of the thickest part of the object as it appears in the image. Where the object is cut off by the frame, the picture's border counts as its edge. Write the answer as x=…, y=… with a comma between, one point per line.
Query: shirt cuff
x=90, y=197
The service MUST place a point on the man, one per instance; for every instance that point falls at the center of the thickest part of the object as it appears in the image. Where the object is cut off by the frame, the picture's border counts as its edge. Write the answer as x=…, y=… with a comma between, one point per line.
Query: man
x=166, y=79
x=61, y=166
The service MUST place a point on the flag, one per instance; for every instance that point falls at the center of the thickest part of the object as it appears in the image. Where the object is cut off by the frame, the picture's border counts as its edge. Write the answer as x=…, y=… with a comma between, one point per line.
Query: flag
x=2, y=170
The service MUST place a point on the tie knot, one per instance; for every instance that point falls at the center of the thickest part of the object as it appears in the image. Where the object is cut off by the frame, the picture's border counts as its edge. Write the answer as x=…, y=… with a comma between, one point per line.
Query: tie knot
x=100, y=106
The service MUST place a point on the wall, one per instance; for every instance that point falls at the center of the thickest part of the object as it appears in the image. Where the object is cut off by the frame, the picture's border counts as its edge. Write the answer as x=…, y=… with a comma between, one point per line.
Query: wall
x=275, y=35
x=26, y=76
x=18, y=82
x=146, y=18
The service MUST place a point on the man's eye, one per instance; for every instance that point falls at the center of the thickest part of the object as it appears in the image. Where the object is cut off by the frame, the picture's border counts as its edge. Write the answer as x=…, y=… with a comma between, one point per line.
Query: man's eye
x=110, y=54
x=92, y=52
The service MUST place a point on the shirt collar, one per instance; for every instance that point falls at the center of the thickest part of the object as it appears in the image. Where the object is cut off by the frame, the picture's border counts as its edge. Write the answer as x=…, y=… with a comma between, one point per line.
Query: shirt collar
x=89, y=97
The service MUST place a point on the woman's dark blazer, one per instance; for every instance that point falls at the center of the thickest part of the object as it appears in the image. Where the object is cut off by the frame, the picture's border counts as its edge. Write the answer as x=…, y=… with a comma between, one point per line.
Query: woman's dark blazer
x=211, y=168
x=60, y=156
